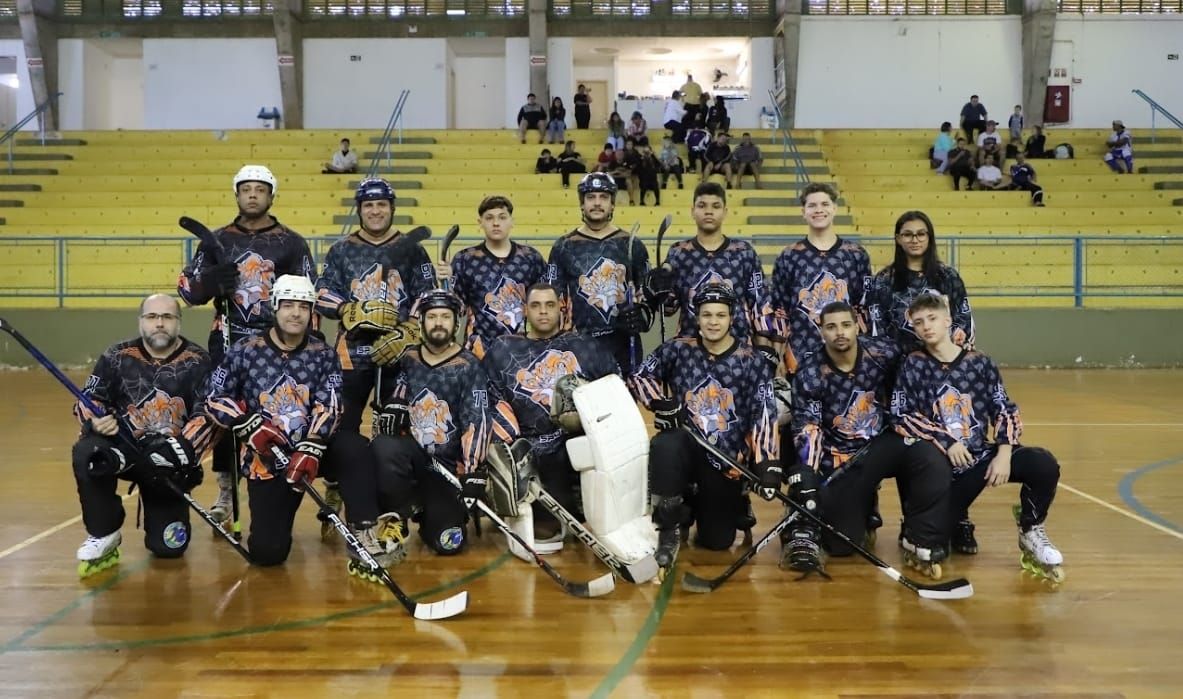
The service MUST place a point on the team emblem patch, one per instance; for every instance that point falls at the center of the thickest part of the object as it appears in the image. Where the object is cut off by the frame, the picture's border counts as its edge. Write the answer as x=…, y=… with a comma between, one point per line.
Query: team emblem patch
x=176, y=535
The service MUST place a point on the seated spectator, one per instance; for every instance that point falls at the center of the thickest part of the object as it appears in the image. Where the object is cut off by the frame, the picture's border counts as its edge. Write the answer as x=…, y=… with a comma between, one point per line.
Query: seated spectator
x=973, y=117
x=546, y=163
x=1037, y=145
x=961, y=165
x=531, y=116
x=647, y=170
x=615, y=131
x=556, y=125
x=989, y=143
x=717, y=159
x=941, y=148
x=605, y=159
x=671, y=117
x=570, y=161
x=1120, y=144
x=344, y=161
x=637, y=127
x=697, y=140
x=746, y=158
x=717, y=118
x=1022, y=176
x=989, y=176
x=671, y=162
x=621, y=173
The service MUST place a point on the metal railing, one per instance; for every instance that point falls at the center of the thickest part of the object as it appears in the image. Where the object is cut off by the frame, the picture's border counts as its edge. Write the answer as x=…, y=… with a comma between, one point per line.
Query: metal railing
x=789, y=146
x=1156, y=108
x=394, y=123
x=1076, y=268
x=10, y=135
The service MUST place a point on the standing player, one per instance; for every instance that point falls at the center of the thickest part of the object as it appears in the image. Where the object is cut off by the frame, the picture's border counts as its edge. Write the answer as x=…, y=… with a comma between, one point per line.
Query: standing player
x=523, y=371
x=156, y=385
x=491, y=278
x=952, y=397
x=590, y=268
x=720, y=387
x=841, y=409
x=256, y=250
x=916, y=270
x=279, y=389
x=437, y=412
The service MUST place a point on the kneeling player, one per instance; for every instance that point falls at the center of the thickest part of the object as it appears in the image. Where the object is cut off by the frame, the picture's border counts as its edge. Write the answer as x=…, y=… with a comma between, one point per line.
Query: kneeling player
x=434, y=419
x=279, y=389
x=156, y=385
x=722, y=388
x=951, y=396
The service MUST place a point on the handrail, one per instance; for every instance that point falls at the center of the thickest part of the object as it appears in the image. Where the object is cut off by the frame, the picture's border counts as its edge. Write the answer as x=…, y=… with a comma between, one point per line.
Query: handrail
x=395, y=121
x=1156, y=107
x=790, y=146
x=10, y=135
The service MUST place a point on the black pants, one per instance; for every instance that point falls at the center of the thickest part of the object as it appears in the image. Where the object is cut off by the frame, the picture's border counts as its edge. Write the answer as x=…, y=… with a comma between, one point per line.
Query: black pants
x=273, y=504
x=922, y=475
x=1036, y=468
x=166, y=516
x=582, y=116
x=566, y=168
x=405, y=478
x=679, y=466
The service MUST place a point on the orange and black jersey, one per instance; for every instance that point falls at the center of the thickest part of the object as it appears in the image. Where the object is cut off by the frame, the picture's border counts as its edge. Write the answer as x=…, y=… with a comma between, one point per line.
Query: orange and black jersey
x=957, y=401
x=493, y=290
x=805, y=280
x=836, y=413
x=734, y=264
x=358, y=270
x=593, y=276
x=449, y=407
x=727, y=397
x=888, y=307
x=156, y=396
x=522, y=374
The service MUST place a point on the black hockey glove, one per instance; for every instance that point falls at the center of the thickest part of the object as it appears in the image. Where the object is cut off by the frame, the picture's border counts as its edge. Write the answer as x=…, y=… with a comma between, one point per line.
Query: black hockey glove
x=394, y=418
x=660, y=284
x=771, y=476
x=173, y=458
x=803, y=487
x=667, y=414
x=223, y=279
x=633, y=320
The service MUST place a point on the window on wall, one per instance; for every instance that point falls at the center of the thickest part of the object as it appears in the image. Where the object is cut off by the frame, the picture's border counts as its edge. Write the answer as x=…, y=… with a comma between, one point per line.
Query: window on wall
x=1122, y=7
x=415, y=8
x=907, y=7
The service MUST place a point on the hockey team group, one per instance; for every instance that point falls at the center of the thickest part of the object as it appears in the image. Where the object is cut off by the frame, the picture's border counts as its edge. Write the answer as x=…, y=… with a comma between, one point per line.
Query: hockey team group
x=529, y=417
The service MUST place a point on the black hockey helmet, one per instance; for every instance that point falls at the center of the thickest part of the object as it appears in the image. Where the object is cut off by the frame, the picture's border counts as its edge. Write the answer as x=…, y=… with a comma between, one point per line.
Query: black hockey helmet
x=596, y=182
x=715, y=292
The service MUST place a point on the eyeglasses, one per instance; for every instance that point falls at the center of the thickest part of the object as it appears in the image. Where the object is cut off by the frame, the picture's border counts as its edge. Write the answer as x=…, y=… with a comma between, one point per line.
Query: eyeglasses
x=914, y=235
x=153, y=317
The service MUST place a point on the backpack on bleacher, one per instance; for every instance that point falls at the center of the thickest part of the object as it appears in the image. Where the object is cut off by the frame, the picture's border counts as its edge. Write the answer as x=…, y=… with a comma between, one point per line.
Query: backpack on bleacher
x=1064, y=152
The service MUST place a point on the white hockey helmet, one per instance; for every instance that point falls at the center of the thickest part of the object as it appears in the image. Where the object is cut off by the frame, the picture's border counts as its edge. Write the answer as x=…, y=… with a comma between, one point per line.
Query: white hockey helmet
x=292, y=287
x=255, y=173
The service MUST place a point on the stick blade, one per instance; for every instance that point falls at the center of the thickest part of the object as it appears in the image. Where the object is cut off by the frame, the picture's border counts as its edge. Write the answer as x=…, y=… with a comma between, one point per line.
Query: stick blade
x=443, y=609
x=953, y=589
x=641, y=571
x=693, y=583
x=600, y=586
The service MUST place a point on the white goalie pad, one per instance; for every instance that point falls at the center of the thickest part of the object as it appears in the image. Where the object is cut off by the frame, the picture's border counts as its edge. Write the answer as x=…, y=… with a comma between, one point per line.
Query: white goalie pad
x=612, y=459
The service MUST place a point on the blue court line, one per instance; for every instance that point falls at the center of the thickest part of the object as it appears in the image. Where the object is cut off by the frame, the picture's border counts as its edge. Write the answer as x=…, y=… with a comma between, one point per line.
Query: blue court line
x=1125, y=488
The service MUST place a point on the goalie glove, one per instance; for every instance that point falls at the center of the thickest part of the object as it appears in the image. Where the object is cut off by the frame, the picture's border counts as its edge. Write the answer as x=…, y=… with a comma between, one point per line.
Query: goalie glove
x=393, y=345
x=360, y=316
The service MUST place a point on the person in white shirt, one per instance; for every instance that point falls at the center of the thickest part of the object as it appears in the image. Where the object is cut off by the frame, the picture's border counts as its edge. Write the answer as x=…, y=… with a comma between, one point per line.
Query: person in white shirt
x=344, y=161
x=989, y=176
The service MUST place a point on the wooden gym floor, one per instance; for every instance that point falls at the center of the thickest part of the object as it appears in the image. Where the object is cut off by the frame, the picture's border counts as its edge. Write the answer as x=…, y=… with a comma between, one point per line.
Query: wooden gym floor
x=208, y=626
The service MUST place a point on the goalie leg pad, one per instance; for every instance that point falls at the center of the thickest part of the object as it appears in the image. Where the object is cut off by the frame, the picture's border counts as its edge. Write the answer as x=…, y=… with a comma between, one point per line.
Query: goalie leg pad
x=510, y=467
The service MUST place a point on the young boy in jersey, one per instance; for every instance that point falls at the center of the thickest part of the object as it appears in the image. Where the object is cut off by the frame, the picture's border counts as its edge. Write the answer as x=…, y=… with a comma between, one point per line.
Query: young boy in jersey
x=491, y=278
x=155, y=385
x=954, y=398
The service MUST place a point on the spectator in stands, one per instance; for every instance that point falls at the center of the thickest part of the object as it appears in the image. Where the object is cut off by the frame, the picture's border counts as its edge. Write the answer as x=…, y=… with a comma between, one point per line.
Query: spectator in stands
x=989, y=176
x=344, y=161
x=1037, y=145
x=691, y=97
x=570, y=161
x=973, y=117
x=671, y=162
x=671, y=118
x=990, y=143
x=582, y=102
x=717, y=159
x=615, y=131
x=531, y=116
x=941, y=148
x=960, y=165
x=717, y=119
x=556, y=125
x=637, y=128
x=546, y=163
x=746, y=158
x=647, y=169
x=1120, y=145
x=606, y=158
x=697, y=140
x=1022, y=176
x=1016, y=124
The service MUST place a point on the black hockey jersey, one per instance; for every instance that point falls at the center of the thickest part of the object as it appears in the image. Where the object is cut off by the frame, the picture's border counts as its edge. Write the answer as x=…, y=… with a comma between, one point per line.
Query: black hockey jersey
x=593, y=278
x=156, y=396
x=728, y=398
x=522, y=375
x=736, y=265
x=837, y=413
x=888, y=308
x=493, y=290
x=358, y=270
x=955, y=402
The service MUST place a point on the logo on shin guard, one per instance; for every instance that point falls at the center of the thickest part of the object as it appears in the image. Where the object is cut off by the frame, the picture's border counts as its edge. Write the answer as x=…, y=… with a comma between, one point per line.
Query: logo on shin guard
x=451, y=538
x=176, y=535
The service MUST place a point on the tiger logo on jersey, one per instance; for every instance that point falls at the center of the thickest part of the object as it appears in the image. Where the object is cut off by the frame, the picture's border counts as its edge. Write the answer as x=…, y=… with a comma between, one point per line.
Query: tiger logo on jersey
x=286, y=404
x=711, y=406
x=537, y=381
x=956, y=412
x=504, y=304
x=157, y=413
x=603, y=286
x=823, y=290
x=371, y=286
x=431, y=421
x=861, y=418
x=255, y=277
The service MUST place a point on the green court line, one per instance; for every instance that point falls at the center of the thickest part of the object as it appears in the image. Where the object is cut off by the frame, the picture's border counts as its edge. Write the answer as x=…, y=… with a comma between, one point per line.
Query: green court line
x=636, y=649
x=229, y=633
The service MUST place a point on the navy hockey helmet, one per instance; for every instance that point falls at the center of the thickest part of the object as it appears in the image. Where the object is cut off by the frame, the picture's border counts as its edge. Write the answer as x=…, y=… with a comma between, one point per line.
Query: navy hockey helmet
x=715, y=292
x=374, y=189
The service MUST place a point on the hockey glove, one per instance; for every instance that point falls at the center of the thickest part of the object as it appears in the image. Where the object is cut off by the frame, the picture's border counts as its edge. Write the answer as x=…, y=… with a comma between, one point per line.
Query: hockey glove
x=633, y=320
x=771, y=476
x=173, y=458
x=223, y=279
x=803, y=487
x=394, y=418
x=390, y=347
x=304, y=463
x=660, y=284
x=667, y=414
x=107, y=461
x=259, y=434
x=359, y=316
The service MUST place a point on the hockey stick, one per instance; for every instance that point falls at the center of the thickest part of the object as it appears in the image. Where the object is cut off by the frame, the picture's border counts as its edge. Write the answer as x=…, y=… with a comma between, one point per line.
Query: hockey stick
x=637, y=572
x=444, y=245
x=125, y=432
x=952, y=589
x=665, y=226
x=593, y=588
